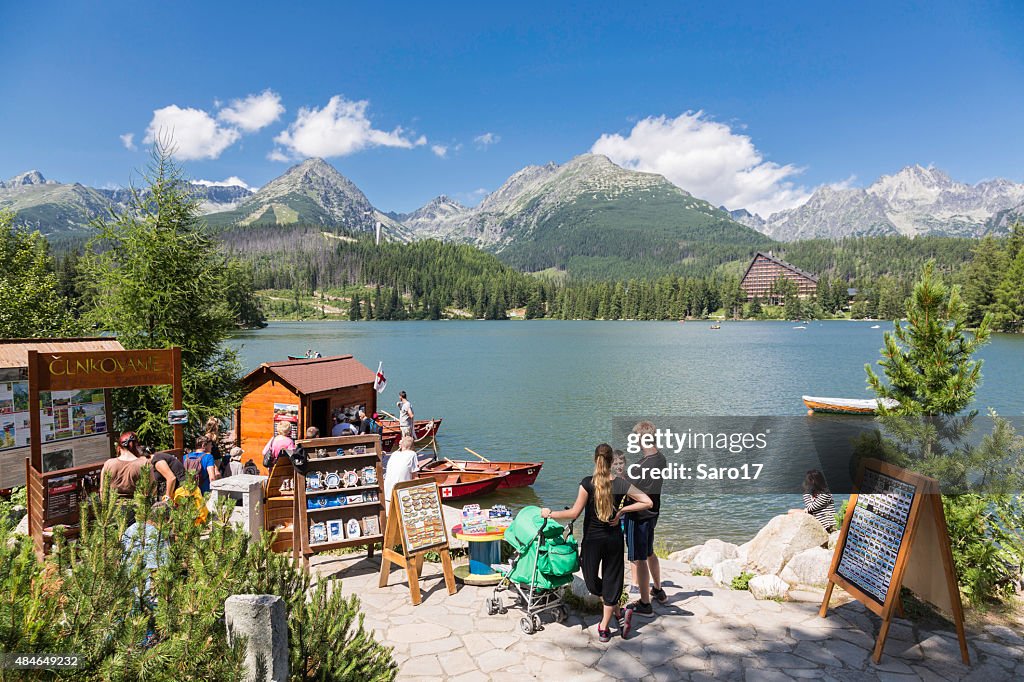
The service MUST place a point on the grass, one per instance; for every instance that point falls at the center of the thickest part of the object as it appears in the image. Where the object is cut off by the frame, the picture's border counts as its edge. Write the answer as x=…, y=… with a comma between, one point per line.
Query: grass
x=701, y=572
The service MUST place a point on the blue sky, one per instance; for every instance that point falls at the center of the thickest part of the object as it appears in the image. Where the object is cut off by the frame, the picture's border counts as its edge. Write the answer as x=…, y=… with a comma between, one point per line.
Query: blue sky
x=790, y=95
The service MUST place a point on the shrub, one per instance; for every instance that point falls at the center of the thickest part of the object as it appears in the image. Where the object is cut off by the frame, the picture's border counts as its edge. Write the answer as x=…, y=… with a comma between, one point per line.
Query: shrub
x=742, y=581
x=96, y=597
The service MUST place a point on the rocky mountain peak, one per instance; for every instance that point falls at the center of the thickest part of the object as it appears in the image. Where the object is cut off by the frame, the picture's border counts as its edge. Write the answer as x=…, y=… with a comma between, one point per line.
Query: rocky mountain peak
x=32, y=177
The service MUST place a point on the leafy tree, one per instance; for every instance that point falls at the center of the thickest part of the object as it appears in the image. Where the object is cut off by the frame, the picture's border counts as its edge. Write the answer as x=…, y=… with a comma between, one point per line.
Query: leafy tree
x=31, y=301
x=154, y=277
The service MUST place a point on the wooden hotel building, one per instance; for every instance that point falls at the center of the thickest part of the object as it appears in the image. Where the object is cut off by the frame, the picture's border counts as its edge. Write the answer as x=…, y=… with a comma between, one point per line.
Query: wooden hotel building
x=762, y=273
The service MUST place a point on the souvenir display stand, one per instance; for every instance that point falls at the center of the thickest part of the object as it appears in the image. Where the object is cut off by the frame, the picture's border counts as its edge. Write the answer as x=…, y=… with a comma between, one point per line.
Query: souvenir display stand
x=894, y=535
x=339, y=494
x=54, y=496
x=484, y=552
x=415, y=521
x=280, y=511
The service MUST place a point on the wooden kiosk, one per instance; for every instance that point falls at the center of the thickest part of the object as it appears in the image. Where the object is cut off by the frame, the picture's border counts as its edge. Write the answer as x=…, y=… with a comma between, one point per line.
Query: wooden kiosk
x=54, y=494
x=304, y=392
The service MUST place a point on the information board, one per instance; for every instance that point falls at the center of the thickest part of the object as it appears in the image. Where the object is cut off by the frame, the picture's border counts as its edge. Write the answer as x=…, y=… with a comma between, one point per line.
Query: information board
x=876, y=532
x=894, y=534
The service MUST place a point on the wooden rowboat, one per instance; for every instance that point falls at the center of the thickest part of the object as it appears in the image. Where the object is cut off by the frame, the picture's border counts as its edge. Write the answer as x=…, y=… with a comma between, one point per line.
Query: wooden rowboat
x=520, y=474
x=463, y=484
x=846, y=405
x=391, y=432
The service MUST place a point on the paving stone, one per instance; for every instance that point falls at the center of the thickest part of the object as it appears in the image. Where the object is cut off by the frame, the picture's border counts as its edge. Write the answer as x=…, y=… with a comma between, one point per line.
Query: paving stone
x=761, y=675
x=817, y=652
x=781, y=660
x=495, y=660
x=424, y=666
x=457, y=663
x=889, y=665
x=435, y=646
x=621, y=664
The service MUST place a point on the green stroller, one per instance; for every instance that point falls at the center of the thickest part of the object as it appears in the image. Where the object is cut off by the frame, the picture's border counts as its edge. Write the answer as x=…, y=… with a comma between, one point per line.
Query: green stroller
x=545, y=557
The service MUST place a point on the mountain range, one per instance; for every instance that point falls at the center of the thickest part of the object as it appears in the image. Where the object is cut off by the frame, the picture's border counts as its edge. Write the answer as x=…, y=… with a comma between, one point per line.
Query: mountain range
x=914, y=201
x=587, y=214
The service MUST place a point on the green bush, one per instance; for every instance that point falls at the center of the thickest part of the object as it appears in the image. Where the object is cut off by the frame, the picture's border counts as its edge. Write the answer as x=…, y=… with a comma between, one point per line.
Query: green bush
x=742, y=581
x=988, y=551
x=95, y=598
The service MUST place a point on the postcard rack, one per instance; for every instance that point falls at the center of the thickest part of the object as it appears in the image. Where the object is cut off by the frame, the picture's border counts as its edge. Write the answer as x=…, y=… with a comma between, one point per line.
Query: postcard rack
x=339, y=495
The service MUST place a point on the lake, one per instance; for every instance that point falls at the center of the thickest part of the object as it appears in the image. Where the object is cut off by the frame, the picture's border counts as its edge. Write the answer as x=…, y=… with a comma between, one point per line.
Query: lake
x=549, y=390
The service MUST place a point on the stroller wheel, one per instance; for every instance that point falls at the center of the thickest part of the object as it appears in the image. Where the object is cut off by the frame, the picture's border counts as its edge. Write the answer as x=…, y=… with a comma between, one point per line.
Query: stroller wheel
x=526, y=625
x=561, y=614
x=491, y=610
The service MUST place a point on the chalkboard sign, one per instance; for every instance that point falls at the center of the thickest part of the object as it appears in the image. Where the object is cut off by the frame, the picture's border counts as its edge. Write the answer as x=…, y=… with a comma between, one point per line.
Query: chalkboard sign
x=895, y=535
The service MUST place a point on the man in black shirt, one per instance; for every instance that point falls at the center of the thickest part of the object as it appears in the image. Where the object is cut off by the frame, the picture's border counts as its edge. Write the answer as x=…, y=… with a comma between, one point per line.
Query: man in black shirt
x=640, y=525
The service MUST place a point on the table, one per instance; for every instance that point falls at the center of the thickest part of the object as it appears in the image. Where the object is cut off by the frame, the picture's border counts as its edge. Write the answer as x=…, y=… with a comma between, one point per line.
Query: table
x=484, y=550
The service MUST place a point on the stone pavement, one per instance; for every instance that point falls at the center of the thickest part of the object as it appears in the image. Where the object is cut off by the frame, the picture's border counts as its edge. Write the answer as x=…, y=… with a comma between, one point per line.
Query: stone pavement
x=703, y=632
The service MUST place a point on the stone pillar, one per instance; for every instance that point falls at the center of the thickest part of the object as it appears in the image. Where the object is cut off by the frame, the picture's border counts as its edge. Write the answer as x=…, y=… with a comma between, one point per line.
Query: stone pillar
x=247, y=491
x=262, y=619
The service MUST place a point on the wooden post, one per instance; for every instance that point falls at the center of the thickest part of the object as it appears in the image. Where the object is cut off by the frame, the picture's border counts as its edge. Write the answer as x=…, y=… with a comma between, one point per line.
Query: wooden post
x=176, y=395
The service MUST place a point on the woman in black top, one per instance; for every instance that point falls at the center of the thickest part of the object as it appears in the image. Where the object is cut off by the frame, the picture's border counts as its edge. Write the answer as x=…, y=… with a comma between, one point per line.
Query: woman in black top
x=603, y=497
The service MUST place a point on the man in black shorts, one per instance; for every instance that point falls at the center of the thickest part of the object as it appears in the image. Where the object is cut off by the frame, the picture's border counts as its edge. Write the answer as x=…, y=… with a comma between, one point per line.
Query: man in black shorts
x=640, y=525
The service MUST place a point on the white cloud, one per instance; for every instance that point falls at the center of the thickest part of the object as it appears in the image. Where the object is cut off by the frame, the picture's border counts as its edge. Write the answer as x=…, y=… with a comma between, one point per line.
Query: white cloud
x=233, y=181
x=440, y=150
x=193, y=133
x=338, y=129
x=486, y=140
x=707, y=159
x=128, y=140
x=254, y=112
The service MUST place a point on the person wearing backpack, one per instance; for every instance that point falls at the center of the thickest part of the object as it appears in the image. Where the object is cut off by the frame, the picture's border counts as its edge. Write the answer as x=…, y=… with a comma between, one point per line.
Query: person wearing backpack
x=280, y=442
x=202, y=464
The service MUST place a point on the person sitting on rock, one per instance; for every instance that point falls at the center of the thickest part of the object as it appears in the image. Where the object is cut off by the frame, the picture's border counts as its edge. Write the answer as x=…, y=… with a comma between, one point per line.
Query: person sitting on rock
x=818, y=500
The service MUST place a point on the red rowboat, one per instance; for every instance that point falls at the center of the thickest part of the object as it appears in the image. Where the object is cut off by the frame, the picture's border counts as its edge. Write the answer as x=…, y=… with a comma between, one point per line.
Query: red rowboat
x=463, y=484
x=391, y=432
x=520, y=474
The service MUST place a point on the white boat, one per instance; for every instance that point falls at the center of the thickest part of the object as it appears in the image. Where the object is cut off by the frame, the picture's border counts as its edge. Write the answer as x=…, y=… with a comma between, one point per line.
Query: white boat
x=876, y=326
x=846, y=405
x=800, y=327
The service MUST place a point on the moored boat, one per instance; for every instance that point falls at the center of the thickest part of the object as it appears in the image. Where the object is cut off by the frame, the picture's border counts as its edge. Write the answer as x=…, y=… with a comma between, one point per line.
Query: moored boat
x=846, y=405
x=462, y=484
x=520, y=474
x=391, y=432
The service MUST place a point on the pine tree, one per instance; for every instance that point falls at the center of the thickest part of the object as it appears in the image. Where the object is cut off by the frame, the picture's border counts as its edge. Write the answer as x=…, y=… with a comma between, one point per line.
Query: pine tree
x=154, y=276
x=1009, y=303
x=355, y=311
x=982, y=278
x=928, y=361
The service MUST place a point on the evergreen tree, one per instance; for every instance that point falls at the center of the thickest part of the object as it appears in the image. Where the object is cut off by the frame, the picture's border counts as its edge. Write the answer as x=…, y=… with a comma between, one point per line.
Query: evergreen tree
x=368, y=310
x=355, y=311
x=928, y=361
x=31, y=302
x=534, y=308
x=154, y=277
x=1009, y=303
x=982, y=278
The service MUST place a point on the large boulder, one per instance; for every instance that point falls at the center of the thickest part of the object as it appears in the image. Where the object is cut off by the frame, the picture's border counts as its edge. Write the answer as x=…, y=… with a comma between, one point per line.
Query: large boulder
x=809, y=567
x=743, y=552
x=833, y=539
x=768, y=587
x=22, y=527
x=579, y=589
x=725, y=571
x=713, y=553
x=784, y=537
x=685, y=556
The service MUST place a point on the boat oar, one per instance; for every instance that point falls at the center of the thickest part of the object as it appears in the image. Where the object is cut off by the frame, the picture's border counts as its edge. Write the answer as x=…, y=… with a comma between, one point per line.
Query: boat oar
x=455, y=464
x=388, y=414
x=476, y=454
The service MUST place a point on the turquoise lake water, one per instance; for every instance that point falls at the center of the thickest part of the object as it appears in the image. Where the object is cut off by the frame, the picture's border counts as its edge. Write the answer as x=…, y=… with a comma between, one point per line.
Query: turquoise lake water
x=548, y=390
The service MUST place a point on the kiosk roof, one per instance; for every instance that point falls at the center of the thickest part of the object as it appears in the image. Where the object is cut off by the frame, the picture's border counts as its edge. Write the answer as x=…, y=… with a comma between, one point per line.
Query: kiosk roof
x=309, y=376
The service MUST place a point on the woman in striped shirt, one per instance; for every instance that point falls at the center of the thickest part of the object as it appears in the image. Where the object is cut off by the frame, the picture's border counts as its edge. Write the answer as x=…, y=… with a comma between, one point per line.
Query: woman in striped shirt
x=818, y=500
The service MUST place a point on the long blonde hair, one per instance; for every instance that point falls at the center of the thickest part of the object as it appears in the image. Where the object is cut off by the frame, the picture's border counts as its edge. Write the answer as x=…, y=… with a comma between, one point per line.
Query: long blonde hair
x=603, y=503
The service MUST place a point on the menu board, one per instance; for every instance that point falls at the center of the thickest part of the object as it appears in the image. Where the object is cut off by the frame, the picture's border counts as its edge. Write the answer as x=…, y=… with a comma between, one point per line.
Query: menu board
x=284, y=412
x=877, y=528
x=63, y=414
x=422, y=520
